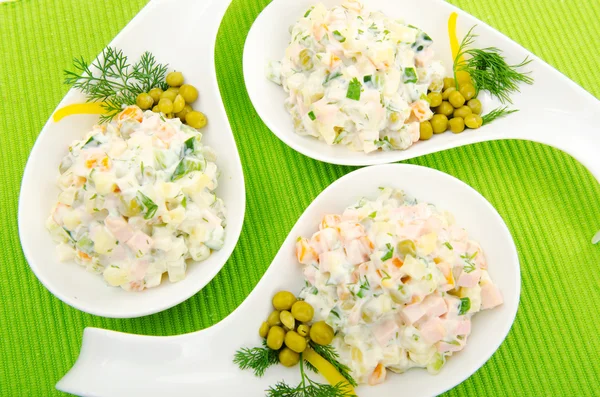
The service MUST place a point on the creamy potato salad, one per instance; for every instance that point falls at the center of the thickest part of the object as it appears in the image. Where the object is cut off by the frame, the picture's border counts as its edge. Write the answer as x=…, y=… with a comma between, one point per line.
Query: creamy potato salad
x=137, y=200
x=398, y=281
x=357, y=78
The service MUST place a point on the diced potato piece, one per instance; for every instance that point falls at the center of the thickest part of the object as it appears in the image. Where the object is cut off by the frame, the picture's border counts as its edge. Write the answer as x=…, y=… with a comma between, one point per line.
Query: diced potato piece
x=104, y=182
x=115, y=276
x=71, y=219
x=104, y=242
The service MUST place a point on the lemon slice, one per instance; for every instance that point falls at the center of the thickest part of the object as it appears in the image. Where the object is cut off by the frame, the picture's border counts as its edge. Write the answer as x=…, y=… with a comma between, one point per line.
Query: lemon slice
x=78, y=108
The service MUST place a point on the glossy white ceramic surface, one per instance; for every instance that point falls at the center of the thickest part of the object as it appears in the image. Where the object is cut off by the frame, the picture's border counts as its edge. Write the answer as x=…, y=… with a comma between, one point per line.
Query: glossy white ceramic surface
x=73, y=284
x=200, y=363
x=554, y=110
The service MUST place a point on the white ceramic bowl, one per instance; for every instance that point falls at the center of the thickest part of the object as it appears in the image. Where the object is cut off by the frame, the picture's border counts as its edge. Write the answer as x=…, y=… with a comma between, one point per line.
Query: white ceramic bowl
x=72, y=283
x=183, y=365
x=548, y=108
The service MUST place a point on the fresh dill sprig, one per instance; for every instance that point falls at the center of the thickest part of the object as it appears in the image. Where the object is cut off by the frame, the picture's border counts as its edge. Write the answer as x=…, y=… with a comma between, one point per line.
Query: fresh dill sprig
x=112, y=80
x=328, y=353
x=308, y=388
x=489, y=70
x=497, y=113
x=257, y=359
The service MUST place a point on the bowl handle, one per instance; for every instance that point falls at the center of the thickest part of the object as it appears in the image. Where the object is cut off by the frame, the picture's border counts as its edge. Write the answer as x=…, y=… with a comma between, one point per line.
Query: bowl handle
x=118, y=364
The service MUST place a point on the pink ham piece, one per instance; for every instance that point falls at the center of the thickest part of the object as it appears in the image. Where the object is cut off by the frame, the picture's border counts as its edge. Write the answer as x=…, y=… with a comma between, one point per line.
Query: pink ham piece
x=119, y=228
x=385, y=332
x=490, y=296
x=351, y=232
x=412, y=313
x=469, y=280
x=357, y=252
x=434, y=306
x=140, y=242
x=433, y=330
x=325, y=240
x=463, y=327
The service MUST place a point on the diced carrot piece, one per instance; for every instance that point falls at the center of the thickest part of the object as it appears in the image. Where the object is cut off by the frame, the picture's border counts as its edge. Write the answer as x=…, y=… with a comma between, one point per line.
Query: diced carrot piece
x=397, y=262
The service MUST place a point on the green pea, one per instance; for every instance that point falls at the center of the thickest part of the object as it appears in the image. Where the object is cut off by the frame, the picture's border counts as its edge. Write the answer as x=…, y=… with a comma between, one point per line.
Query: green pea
x=457, y=125
x=445, y=108
x=302, y=311
x=178, y=104
x=144, y=101
x=456, y=99
x=468, y=91
x=275, y=337
x=406, y=247
x=462, y=111
x=425, y=131
x=195, y=119
x=175, y=79
x=295, y=342
x=287, y=319
x=447, y=92
x=303, y=330
x=263, y=331
x=165, y=105
x=283, y=300
x=435, y=99
x=439, y=123
x=475, y=105
x=189, y=93
x=170, y=95
x=182, y=115
x=449, y=82
x=155, y=93
x=288, y=357
x=274, y=318
x=321, y=333
x=473, y=121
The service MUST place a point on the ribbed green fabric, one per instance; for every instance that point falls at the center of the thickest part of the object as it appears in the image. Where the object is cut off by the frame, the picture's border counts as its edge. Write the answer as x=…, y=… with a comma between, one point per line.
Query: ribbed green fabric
x=549, y=201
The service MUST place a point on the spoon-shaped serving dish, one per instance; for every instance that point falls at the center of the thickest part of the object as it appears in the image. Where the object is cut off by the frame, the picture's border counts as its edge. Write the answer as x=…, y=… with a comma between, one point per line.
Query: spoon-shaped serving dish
x=200, y=363
x=553, y=110
x=72, y=283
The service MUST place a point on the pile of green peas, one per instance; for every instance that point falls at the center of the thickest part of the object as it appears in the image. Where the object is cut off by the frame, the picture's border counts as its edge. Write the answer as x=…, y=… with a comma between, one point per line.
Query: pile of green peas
x=287, y=328
x=174, y=102
x=453, y=109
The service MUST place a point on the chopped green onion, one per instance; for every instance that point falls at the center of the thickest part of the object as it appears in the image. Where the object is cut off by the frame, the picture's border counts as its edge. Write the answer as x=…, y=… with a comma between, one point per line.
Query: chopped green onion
x=151, y=207
x=373, y=214
x=389, y=253
x=410, y=75
x=354, y=89
x=367, y=78
x=465, y=305
x=448, y=245
x=338, y=36
x=312, y=116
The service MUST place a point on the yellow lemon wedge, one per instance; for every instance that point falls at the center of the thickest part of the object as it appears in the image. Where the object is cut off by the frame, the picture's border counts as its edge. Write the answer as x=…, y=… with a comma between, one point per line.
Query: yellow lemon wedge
x=78, y=108
x=454, y=47
x=327, y=370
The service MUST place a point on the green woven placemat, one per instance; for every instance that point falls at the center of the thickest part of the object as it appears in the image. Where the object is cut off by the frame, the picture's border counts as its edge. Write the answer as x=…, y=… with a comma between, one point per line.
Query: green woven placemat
x=549, y=201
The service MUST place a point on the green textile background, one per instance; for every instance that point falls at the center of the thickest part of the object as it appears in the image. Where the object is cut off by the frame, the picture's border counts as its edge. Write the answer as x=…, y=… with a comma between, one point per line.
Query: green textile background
x=549, y=201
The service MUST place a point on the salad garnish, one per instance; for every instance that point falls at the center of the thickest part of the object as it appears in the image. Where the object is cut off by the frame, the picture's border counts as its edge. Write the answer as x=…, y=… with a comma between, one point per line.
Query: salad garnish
x=112, y=80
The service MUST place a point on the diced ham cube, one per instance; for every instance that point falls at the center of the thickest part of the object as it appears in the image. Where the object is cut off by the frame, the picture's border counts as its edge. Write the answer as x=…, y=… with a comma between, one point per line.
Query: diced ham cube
x=385, y=332
x=329, y=221
x=433, y=330
x=469, y=280
x=463, y=327
x=140, y=242
x=357, y=252
x=325, y=240
x=119, y=228
x=490, y=296
x=434, y=306
x=305, y=253
x=412, y=313
x=351, y=232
